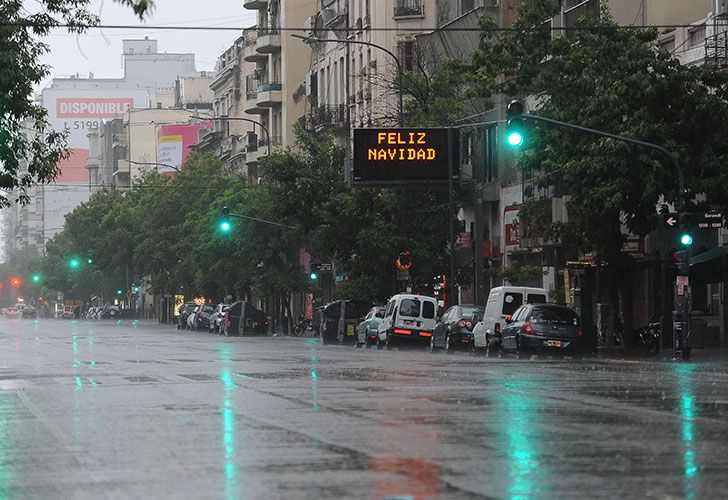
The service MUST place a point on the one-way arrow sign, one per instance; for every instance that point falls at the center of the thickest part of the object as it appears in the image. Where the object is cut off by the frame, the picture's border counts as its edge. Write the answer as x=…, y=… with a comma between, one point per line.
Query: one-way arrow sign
x=671, y=220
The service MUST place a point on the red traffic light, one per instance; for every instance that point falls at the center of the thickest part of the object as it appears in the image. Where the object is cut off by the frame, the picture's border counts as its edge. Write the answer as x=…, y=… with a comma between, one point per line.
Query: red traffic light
x=15, y=282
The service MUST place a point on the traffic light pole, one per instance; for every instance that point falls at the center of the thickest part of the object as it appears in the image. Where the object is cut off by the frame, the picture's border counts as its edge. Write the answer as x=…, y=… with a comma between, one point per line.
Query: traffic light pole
x=680, y=315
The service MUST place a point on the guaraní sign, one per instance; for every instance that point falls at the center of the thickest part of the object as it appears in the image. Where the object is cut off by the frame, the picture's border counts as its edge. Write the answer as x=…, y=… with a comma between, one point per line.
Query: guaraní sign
x=401, y=156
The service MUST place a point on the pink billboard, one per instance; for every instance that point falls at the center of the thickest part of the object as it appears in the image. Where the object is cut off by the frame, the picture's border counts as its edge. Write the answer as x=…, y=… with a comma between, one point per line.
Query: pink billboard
x=173, y=143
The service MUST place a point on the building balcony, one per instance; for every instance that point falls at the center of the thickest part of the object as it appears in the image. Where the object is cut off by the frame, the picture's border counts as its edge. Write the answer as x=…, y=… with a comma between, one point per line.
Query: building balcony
x=250, y=54
x=409, y=8
x=251, y=105
x=268, y=41
x=255, y=4
x=270, y=95
x=328, y=116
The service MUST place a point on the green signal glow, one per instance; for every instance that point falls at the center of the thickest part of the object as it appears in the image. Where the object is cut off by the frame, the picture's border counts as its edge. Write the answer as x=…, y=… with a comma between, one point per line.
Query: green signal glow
x=515, y=138
x=119, y=292
x=313, y=276
x=686, y=239
x=74, y=263
x=225, y=226
x=35, y=278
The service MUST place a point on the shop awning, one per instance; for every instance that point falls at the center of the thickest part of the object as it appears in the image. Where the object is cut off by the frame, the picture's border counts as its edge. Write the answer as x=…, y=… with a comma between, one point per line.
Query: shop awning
x=708, y=266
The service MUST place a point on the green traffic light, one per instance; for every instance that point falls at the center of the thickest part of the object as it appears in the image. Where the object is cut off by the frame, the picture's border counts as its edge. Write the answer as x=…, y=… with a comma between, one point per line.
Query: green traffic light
x=90, y=261
x=515, y=138
x=313, y=276
x=119, y=292
x=35, y=278
x=225, y=226
x=74, y=263
x=686, y=239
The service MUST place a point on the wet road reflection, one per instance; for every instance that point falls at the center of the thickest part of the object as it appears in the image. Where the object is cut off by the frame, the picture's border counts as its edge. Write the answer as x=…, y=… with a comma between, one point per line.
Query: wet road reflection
x=519, y=415
x=230, y=466
x=688, y=413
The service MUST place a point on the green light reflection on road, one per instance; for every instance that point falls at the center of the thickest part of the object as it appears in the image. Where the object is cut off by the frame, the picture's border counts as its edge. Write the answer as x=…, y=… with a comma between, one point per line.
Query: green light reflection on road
x=313, y=359
x=517, y=410
x=8, y=406
x=228, y=425
x=688, y=414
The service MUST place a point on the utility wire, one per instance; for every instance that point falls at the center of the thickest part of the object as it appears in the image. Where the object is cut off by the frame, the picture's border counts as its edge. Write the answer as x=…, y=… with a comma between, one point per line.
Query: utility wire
x=21, y=24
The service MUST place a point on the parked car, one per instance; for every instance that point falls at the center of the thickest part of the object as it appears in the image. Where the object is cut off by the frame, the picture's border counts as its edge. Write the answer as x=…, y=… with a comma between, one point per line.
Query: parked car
x=29, y=312
x=216, y=317
x=502, y=303
x=12, y=312
x=242, y=318
x=550, y=327
x=454, y=330
x=185, y=311
x=408, y=318
x=202, y=317
x=366, y=332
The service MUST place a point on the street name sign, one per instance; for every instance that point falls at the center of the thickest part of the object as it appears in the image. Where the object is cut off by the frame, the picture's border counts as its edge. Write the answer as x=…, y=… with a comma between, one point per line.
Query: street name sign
x=710, y=220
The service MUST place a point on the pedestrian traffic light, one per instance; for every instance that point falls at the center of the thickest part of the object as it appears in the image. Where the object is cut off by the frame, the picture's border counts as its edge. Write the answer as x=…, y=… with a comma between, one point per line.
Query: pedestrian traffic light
x=224, y=225
x=515, y=135
x=686, y=229
x=135, y=289
x=74, y=263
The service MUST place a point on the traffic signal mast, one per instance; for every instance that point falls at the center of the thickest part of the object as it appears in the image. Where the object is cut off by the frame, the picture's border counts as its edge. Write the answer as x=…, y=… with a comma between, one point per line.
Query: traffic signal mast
x=515, y=137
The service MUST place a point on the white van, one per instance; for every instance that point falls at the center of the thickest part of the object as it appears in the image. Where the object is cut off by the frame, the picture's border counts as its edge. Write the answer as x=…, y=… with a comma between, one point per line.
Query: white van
x=407, y=318
x=502, y=303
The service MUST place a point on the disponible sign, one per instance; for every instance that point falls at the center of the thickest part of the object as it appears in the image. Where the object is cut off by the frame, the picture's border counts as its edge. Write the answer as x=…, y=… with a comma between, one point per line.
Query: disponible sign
x=400, y=156
x=99, y=107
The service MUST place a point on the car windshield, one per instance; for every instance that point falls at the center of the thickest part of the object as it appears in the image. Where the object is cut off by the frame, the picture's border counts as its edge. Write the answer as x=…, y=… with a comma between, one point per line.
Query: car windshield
x=554, y=315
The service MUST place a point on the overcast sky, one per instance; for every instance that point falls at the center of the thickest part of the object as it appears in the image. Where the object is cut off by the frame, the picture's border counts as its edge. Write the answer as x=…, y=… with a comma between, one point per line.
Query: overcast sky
x=99, y=51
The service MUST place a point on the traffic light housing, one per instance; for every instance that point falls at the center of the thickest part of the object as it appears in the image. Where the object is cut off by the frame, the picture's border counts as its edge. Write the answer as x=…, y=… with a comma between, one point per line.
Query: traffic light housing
x=682, y=263
x=515, y=134
x=686, y=229
x=225, y=225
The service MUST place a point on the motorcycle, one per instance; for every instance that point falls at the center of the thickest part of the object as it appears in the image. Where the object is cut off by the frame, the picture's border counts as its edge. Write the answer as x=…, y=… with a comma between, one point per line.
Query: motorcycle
x=301, y=326
x=646, y=339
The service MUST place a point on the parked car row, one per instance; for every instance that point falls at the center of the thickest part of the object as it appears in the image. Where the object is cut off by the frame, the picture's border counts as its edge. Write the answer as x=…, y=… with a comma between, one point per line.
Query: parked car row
x=22, y=310
x=515, y=319
x=238, y=318
x=107, y=311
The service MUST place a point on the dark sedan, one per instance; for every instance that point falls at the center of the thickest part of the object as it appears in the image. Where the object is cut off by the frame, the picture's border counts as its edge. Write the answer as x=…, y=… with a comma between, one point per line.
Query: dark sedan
x=545, y=327
x=455, y=329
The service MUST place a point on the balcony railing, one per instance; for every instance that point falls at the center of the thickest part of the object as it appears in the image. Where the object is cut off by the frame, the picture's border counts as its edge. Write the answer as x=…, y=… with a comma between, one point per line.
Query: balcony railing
x=406, y=8
x=270, y=86
x=271, y=30
x=329, y=116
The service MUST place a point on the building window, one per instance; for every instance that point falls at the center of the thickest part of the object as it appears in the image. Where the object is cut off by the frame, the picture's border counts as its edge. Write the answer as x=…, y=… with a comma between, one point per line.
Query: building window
x=407, y=54
x=404, y=8
x=696, y=36
x=466, y=6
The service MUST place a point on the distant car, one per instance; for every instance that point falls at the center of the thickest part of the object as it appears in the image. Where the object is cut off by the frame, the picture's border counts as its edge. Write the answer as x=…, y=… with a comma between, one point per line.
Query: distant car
x=545, y=327
x=455, y=329
x=12, y=312
x=185, y=311
x=242, y=318
x=29, y=312
x=202, y=317
x=216, y=317
x=109, y=312
x=366, y=332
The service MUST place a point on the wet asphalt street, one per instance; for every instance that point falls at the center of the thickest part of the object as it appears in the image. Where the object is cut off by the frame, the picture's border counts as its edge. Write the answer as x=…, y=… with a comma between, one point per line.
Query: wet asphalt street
x=140, y=410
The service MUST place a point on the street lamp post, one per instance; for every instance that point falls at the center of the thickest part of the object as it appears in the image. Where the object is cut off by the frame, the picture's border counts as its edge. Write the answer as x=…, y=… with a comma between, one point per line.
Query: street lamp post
x=309, y=39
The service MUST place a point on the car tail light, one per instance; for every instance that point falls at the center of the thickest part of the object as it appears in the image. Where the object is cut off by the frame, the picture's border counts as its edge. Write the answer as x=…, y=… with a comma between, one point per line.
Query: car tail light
x=526, y=328
x=496, y=329
x=425, y=334
x=578, y=331
x=463, y=323
x=402, y=332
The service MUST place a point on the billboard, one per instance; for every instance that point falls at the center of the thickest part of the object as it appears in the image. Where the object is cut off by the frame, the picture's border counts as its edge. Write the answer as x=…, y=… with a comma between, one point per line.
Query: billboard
x=173, y=144
x=80, y=109
x=403, y=156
